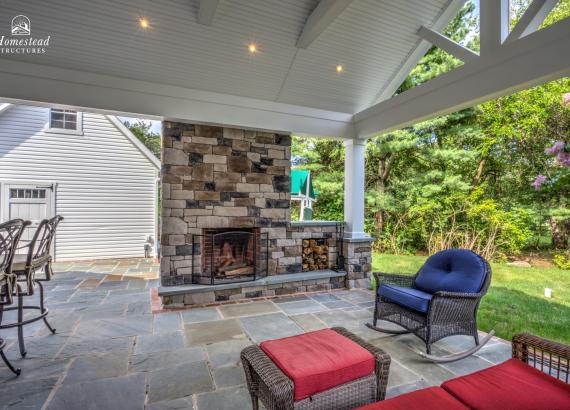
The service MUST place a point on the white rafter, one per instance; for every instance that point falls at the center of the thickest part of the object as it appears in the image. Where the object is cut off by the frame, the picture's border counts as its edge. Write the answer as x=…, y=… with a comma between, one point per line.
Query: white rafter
x=531, y=19
x=493, y=24
x=421, y=49
x=447, y=44
x=537, y=58
x=323, y=15
x=207, y=11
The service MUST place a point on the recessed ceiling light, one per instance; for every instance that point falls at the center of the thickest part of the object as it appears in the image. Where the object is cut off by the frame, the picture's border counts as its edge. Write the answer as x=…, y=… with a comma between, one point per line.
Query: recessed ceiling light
x=252, y=48
x=144, y=23
x=339, y=68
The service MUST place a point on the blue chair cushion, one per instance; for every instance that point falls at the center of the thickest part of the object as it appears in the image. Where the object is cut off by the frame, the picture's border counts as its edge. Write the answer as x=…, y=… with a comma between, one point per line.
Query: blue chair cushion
x=452, y=270
x=408, y=297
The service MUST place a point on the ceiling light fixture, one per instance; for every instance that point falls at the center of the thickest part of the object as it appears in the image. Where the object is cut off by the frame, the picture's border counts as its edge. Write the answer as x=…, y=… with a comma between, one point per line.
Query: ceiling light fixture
x=252, y=48
x=144, y=23
x=339, y=68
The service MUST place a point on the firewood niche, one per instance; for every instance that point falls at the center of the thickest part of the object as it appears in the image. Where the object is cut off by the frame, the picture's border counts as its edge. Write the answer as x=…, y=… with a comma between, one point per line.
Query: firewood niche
x=315, y=254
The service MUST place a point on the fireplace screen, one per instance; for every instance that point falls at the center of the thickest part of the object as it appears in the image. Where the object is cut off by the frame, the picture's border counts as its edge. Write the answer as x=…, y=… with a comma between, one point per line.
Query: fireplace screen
x=229, y=255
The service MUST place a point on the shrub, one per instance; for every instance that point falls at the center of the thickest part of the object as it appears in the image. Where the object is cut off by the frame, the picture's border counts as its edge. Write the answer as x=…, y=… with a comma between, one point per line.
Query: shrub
x=562, y=260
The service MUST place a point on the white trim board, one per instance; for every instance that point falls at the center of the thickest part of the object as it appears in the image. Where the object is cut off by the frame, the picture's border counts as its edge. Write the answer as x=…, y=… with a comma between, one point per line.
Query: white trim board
x=35, y=84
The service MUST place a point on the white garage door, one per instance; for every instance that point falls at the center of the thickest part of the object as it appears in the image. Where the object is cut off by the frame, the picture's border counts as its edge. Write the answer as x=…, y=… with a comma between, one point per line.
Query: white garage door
x=29, y=202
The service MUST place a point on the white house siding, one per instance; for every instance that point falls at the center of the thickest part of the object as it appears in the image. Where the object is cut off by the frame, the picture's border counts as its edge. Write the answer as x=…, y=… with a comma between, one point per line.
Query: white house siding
x=106, y=187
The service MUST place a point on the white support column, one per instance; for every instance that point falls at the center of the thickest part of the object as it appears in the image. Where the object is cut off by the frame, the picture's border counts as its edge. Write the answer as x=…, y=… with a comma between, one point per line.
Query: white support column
x=493, y=24
x=354, y=151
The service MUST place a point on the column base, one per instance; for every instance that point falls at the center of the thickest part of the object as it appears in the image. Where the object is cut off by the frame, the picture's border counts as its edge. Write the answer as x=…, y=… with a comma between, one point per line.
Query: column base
x=358, y=261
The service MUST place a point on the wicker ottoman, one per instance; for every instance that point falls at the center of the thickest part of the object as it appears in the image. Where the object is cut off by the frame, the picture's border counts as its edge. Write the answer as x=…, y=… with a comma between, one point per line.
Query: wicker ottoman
x=327, y=369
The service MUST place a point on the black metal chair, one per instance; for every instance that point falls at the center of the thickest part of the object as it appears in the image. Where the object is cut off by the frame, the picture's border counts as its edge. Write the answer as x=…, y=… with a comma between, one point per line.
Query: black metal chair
x=10, y=233
x=25, y=266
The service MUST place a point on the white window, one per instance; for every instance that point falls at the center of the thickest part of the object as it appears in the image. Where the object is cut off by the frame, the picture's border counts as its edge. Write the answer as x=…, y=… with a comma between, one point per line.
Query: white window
x=67, y=121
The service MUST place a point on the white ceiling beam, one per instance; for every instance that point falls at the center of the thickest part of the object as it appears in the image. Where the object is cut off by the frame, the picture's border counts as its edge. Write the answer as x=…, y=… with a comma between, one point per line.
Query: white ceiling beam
x=207, y=11
x=46, y=85
x=321, y=17
x=445, y=43
x=493, y=24
x=531, y=19
x=537, y=58
x=416, y=55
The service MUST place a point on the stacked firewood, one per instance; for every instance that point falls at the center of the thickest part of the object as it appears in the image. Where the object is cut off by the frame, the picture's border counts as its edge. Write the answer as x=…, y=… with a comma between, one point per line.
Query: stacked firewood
x=315, y=254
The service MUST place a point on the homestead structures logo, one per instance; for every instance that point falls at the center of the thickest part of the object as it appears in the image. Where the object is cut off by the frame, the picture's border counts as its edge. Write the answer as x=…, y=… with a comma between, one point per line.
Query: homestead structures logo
x=21, y=40
x=21, y=26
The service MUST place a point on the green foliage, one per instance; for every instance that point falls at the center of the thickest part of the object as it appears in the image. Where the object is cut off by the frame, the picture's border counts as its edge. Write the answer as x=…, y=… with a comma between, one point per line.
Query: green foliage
x=462, y=179
x=142, y=130
x=325, y=159
x=562, y=260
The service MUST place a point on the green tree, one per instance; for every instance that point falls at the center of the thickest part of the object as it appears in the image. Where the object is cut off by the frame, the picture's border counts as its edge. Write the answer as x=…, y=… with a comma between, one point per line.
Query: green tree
x=463, y=179
x=142, y=130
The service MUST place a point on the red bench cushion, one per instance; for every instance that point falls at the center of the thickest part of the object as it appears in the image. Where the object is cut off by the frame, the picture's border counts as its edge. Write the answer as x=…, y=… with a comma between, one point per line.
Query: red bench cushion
x=432, y=398
x=318, y=361
x=510, y=385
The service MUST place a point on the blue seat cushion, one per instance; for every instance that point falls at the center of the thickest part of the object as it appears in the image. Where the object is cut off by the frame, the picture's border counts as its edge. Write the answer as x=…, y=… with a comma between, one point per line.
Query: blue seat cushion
x=452, y=270
x=411, y=298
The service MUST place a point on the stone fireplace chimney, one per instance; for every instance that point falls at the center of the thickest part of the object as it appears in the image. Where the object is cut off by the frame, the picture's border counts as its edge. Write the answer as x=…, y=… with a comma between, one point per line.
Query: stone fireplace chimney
x=216, y=179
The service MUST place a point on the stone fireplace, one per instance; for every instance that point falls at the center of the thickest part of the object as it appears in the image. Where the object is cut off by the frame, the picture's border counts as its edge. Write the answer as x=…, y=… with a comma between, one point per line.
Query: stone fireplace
x=226, y=232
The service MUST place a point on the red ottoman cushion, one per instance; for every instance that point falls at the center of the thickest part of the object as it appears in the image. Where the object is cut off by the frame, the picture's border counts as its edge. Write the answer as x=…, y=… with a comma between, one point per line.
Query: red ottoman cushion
x=510, y=385
x=318, y=361
x=432, y=398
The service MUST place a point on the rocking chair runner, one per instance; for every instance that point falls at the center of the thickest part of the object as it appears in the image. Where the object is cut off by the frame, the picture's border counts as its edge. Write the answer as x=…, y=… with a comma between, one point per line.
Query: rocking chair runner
x=440, y=300
x=25, y=267
x=10, y=233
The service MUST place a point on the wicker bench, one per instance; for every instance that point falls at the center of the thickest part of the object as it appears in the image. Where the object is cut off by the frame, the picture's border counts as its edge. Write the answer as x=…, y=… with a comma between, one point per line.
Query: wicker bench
x=267, y=382
x=535, y=378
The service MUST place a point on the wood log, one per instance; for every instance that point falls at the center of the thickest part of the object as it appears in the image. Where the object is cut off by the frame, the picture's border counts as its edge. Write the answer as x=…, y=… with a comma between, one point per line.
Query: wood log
x=247, y=270
x=305, y=243
x=223, y=269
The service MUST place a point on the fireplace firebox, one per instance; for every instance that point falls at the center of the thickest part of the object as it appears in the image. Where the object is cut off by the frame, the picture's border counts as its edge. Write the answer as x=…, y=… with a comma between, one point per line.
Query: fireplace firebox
x=229, y=255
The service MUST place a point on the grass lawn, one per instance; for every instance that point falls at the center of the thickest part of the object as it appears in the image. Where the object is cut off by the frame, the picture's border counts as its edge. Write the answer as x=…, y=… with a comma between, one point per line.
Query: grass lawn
x=515, y=301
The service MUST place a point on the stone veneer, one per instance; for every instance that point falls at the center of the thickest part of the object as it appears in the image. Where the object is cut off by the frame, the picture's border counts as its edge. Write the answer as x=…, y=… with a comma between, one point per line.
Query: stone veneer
x=218, y=177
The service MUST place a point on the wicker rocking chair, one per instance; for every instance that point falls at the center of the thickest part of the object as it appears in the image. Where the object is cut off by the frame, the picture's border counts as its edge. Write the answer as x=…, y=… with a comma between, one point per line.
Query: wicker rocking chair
x=440, y=300
x=10, y=233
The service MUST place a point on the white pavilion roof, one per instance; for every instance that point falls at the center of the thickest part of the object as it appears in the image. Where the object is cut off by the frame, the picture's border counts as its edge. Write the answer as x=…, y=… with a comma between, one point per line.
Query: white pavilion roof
x=192, y=61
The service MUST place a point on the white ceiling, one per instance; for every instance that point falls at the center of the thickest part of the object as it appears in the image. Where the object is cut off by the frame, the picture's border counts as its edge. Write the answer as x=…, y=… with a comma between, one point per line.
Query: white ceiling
x=371, y=39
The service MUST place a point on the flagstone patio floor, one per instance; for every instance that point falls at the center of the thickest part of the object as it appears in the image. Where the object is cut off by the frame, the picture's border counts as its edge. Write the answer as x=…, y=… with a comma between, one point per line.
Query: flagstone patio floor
x=111, y=352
